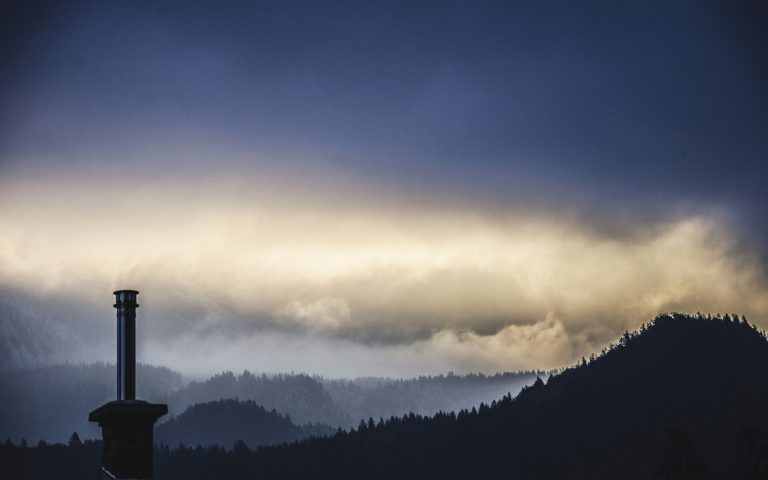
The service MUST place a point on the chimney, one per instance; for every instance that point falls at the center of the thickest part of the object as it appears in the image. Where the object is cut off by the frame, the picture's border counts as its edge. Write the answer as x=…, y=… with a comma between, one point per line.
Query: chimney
x=126, y=343
x=126, y=423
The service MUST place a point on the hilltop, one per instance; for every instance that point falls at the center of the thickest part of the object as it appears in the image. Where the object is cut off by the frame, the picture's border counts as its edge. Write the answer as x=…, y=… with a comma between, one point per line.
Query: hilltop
x=224, y=422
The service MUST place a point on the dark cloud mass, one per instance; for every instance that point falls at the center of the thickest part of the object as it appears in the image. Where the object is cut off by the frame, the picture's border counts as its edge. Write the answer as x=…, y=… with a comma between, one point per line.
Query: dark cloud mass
x=631, y=100
x=643, y=123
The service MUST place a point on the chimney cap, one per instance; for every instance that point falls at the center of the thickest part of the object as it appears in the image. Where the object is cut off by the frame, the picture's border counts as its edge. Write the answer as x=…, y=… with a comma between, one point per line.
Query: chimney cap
x=136, y=292
x=125, y=297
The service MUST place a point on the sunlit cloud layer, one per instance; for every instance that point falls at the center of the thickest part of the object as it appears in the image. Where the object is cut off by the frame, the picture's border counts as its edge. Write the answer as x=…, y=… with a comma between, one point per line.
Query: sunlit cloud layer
x=231, y=278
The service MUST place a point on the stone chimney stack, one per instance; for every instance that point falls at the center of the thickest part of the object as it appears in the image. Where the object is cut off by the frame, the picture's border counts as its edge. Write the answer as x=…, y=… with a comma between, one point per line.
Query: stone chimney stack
x=126, y=423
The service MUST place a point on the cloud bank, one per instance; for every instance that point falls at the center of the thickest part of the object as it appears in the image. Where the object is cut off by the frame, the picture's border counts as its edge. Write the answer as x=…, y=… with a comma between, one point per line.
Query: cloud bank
x=290, y=282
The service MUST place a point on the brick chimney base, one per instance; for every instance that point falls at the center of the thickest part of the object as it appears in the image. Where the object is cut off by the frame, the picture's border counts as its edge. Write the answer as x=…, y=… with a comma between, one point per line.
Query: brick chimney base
x=127, y=428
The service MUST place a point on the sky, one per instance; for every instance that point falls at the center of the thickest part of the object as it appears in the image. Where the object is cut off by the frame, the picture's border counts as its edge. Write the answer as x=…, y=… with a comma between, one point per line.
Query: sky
x=380, y=188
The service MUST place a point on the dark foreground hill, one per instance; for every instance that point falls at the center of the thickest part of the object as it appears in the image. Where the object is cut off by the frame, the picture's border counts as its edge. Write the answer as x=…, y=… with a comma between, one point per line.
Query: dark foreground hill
x=685, y=397
x=226, y=421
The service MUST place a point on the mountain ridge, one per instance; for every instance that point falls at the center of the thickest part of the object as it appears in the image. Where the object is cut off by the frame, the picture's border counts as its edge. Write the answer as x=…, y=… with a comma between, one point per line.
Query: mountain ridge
x=683, y=397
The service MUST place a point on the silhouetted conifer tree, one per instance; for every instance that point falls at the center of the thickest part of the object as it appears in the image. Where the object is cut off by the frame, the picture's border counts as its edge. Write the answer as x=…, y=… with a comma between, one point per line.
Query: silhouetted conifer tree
x=74, y=440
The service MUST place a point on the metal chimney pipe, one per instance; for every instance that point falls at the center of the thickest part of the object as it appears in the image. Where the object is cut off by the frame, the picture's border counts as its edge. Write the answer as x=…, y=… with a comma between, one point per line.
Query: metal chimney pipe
x=125, y=303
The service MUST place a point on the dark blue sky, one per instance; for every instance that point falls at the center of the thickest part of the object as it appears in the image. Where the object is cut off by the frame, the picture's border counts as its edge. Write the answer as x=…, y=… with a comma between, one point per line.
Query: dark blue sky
x=582, y=99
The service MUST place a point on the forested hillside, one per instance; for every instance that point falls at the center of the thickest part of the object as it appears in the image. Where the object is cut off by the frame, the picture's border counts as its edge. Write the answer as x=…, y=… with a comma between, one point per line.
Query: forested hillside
x=302, y=397
x=426, y=395
x=226, y=421
x=49, y=403
x=344, y=402
x=681, y=398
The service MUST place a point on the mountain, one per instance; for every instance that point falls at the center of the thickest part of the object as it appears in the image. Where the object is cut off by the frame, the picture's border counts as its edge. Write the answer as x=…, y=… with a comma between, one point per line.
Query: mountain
x=302, y=397
x=53, y=398
x=226, y=421
x=29, y=338
x=343, y=403
x=363, y=398
x=51, y=402
x=682, y=398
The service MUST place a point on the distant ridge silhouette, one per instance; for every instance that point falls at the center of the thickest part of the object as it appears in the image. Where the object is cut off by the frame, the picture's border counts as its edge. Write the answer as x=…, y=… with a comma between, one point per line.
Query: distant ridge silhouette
x=60, y=393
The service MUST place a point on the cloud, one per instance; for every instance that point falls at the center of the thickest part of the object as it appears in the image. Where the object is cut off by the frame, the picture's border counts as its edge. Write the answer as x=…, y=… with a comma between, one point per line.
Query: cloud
x=462, y=287
x=542, y=344
x=322, y=314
